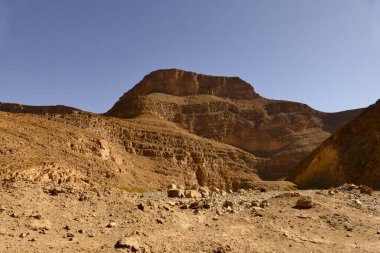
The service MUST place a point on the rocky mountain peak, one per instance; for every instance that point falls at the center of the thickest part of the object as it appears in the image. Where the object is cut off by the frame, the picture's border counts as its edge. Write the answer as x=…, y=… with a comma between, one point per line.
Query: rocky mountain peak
x=185, y=83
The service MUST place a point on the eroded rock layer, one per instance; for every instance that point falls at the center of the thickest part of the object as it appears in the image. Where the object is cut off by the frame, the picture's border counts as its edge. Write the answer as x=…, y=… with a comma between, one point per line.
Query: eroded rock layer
x=228, y=110
x=84, y=148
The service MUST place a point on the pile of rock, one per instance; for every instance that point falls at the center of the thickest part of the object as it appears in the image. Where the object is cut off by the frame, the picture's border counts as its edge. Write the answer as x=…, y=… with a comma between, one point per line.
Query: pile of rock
x=364, y=189
x=197, y=192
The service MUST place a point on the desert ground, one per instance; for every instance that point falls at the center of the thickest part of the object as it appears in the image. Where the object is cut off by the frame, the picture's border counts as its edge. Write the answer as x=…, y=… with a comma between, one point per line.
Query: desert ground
x=45, y=218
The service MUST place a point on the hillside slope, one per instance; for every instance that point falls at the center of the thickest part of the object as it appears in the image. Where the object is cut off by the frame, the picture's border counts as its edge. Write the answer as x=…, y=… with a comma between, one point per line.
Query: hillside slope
x=84, y=148
x=350, y=155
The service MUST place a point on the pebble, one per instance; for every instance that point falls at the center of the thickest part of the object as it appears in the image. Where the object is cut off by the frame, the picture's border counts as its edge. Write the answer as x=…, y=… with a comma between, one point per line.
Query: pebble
x=111, y=225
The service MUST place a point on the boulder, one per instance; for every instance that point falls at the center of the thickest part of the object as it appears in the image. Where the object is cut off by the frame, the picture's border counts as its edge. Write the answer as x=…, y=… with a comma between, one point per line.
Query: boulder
x=304, y=202
x=128, y=243
x=192, y=194
x=175, y=193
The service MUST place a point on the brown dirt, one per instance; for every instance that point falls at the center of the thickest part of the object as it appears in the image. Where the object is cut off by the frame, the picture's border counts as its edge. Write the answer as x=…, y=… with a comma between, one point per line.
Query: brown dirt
x=79, y=220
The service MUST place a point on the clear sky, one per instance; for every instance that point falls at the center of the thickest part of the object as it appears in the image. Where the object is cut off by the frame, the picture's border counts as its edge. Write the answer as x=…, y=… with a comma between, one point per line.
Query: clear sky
x=87, y=53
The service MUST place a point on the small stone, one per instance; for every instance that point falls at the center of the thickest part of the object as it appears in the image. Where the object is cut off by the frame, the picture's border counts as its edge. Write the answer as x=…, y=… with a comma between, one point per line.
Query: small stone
x=194, y=205
x=172, y=186
x=228, y=203
x=263, y=189
x=216, y=190
x=14, y=215
x=80, y=231
x=36, y=216
x=171, y=203
x=219, y=212
x=192, y=194
x=23, y=235
x=111, y=225
x=83, y=197
x=223, y=193
x=204, y=191
x=358, y=202
x=365, y=189
x=264, y=204
x=184, y=206
x=159, y=221
x=128, y=243
x=378, y=232
x=255, y=203
x=206, y=206
x=69, y=235
x=66, y=227
x=141, y=207
x=39, y=225
x=304, y=202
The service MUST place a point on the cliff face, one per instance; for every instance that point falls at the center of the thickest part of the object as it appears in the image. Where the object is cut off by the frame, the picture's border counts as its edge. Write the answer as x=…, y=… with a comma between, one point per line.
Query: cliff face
x=184, y=83
x=351, y=155
x=228, y=110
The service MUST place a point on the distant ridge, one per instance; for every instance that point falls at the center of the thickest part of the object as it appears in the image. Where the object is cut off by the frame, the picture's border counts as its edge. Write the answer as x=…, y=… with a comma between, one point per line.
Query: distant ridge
x=19, y=108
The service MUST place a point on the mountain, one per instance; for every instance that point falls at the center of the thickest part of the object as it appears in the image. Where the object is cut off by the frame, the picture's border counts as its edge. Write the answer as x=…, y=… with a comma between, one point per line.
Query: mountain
x=174, y=126
x=228, y=110
x=351, y=155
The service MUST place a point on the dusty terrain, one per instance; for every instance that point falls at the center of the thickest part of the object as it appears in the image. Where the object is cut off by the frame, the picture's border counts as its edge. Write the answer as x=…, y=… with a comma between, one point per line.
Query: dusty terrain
x=46, y=218
x=352, y=154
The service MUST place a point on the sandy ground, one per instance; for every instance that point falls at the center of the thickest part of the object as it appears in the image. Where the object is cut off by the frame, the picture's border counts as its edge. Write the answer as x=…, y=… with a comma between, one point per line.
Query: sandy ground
x=41, y=218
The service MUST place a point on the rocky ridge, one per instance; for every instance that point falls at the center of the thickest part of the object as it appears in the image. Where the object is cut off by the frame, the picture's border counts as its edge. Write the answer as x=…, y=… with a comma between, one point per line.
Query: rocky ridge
x=19, y=108
x=349, y=155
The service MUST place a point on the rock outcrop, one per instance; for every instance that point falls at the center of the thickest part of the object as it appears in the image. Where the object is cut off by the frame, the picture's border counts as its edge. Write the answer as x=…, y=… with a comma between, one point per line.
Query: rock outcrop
x=184, y=83
x=351, y=155
x=228, y=110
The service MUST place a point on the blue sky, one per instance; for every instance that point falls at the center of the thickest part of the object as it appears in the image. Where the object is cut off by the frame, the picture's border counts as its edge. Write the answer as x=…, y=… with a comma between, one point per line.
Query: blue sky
x=87, y=53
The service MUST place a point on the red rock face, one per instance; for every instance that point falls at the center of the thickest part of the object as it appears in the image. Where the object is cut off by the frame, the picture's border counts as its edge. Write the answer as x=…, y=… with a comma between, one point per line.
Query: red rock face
x=351, y=155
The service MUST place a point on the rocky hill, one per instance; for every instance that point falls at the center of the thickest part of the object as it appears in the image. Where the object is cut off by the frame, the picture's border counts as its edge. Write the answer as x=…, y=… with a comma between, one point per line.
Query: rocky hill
x=350, y=155
x=172, y=127
x=84, y=148
x=228, y=110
